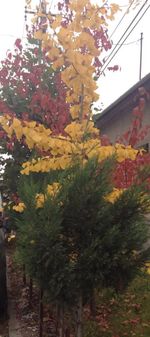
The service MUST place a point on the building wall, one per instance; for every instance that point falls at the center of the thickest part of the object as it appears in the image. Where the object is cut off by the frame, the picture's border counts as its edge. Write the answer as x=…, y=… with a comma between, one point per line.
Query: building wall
x=146, y=121
x=115, y=127
x=120, y=123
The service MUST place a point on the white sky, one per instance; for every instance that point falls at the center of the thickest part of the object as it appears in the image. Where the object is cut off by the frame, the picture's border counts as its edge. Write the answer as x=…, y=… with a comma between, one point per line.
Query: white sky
x=128, y=58
x=113, y=84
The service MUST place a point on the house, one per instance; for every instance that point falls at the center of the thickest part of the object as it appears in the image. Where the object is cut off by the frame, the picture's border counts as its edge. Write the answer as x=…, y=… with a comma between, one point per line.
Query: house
x=115, y=120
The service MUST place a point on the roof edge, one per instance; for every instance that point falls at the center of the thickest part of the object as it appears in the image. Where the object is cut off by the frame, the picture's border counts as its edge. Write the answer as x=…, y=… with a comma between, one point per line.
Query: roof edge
x=97, y=116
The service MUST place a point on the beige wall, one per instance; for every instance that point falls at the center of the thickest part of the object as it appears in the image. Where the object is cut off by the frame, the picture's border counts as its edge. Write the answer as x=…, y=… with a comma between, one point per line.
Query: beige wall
x=115, y=127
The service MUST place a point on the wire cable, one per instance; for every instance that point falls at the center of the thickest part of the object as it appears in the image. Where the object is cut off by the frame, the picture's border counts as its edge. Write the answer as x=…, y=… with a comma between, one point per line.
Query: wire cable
x=107, y=63
x=24, y=37
x=127, y=5
x=122, y=19
x=51, y=3
x=131, y=23
x=125, y=44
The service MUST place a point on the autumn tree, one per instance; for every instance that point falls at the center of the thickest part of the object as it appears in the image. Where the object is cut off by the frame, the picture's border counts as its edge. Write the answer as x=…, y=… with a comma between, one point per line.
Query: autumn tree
x=30, y=90
x=71, y=211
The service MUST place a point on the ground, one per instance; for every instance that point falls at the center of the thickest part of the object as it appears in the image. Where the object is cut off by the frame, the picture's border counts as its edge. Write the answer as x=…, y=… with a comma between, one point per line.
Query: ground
x=27, y=311
x=117, y=315
x=4, y=329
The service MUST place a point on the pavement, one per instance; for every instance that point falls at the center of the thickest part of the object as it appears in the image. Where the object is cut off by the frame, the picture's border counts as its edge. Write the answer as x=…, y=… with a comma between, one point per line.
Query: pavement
x=13, y=323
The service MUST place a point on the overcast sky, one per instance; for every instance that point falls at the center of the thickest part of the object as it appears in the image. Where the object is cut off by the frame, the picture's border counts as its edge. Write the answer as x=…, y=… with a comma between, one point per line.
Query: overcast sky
x=128, y=58
x=112, y=85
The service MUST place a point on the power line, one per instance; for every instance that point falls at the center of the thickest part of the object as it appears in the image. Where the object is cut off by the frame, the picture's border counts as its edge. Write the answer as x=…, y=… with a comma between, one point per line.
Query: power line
x=114, y=44
x=125, y=44
x=12, y=36
x=109, y=56
x=129, y=6
x=127, y=29
x=51, y=3
x=107, y=63
x=125, y=5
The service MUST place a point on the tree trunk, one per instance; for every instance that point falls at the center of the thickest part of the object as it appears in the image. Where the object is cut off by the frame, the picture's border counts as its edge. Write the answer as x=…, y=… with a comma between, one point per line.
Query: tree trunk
x=41, y=313
x=57, y=319
x=3, y=283
x=24, y=275
x=93, y=304
x=61, y=321
x=30, y=290
x=79, y=317
x=67, y=332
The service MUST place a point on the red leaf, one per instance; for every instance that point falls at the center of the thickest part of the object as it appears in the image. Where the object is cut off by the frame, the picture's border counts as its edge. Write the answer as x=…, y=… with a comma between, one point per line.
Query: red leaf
x=136, y=112
x=126, y=135
x=136, y=123
x=114, y=68
x=142, y=104
x=105, y=140
x=18, y=44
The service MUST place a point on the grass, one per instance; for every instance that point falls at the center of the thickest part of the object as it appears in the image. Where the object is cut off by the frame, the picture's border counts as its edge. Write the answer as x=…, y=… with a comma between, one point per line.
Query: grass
x=123, y=315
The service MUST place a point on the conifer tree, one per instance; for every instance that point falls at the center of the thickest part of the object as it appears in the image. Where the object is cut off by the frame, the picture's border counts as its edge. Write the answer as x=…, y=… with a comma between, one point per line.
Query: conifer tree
x=81, y=237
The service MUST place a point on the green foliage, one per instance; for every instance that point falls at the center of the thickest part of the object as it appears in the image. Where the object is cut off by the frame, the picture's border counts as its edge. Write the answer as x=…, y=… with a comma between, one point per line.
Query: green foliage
x=50, y=239
x=84, y=221
x=91, y=329
x=39, y=241
x=78, y=241
x=125, y=240
x=106, y=239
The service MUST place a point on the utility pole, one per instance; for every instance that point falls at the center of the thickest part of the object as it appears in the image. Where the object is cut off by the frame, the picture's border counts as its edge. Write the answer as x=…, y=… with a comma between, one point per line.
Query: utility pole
x=42, y=7
x=141, y=52
x=43, y=10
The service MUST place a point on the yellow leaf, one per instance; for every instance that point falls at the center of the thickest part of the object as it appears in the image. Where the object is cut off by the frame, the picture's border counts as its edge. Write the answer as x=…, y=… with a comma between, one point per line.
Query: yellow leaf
x=40, y=199
x=32, y=242
x=53, y=53
x=78, y=5
x=85, y=39
x=114, y=195
x=8, y=129
x=115, y=7
x=11, y=237
x=53, y=189
x=38, y=35
x=63, y=162
x=58, y=63
x=31, y=124
x=103, y=10
x=16, y=125
x=75, y=111
x=74, y=130
x=19, y=208
x=124, y=152
x=57, y=22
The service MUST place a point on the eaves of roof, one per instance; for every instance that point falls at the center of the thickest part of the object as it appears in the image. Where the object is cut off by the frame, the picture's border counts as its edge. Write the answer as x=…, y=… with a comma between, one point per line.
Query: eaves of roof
x=123, y=103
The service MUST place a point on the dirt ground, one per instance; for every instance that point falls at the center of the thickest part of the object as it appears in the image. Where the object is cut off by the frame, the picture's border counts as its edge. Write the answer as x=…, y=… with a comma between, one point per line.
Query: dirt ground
x=4, y=329
x=27, y=311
